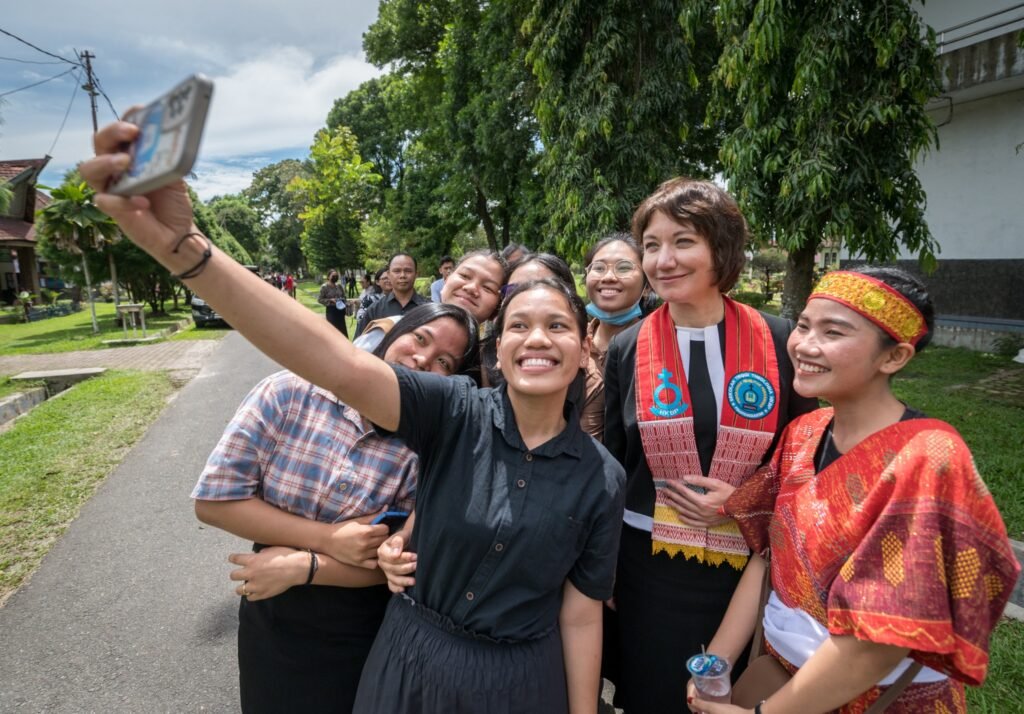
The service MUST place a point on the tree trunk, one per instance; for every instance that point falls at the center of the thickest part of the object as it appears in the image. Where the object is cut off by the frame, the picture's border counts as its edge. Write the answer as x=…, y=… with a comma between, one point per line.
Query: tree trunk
x=113, y=279
x=799, y=275
x=88, y=290
x=485, y=218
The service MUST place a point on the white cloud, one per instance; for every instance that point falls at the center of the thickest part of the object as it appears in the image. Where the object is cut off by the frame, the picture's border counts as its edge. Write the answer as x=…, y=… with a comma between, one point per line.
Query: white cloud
x=278, y=100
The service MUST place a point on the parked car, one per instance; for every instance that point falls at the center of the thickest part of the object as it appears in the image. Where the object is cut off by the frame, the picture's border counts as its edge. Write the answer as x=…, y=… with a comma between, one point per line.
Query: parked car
x=203, y=314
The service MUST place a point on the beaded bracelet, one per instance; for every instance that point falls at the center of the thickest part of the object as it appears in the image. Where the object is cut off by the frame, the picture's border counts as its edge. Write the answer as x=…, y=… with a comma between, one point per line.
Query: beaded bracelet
x=198, y=267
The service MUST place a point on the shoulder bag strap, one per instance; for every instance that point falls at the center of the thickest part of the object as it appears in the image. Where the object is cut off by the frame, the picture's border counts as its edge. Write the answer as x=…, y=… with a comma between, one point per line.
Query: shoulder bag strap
x=894, y=690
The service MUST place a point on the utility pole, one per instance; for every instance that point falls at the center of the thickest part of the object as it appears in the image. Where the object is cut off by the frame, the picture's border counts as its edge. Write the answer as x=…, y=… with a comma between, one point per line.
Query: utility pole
x=90, y=88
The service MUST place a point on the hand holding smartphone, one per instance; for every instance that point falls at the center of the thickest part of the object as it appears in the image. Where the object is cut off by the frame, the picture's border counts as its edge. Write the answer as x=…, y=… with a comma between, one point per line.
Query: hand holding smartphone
x=170, y=129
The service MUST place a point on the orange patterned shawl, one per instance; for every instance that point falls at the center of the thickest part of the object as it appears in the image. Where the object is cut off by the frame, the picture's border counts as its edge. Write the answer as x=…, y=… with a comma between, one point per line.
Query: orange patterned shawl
x=897, y=542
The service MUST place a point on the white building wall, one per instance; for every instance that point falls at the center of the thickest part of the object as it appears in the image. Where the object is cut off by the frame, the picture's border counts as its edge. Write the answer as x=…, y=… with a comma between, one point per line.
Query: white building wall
x=975, y=180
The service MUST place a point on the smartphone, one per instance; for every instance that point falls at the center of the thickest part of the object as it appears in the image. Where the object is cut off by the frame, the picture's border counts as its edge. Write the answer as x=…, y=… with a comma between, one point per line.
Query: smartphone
x=394, y=520
x=168, y=141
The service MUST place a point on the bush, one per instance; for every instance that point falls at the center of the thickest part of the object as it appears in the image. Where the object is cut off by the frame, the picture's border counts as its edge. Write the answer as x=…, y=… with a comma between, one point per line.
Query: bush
x=1009, y=344
x=756, y=300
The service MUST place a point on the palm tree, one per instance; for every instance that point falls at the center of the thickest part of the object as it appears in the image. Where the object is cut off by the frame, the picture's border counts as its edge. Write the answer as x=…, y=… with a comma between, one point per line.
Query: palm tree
x=73, y=223
x=6, y=194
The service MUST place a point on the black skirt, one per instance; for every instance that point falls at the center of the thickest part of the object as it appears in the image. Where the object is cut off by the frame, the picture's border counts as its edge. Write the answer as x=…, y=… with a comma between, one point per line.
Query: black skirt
x=422, y=662
x=666, y=608
x=304, y=650
x=337, y=318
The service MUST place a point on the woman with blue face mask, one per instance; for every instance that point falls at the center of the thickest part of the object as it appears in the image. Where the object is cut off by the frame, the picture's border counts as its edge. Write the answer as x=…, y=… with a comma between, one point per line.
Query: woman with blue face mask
x=616, y=288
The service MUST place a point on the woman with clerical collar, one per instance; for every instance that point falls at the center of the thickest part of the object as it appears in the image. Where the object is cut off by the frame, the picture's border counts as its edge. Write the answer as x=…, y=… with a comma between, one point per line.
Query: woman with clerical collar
x=696, y=395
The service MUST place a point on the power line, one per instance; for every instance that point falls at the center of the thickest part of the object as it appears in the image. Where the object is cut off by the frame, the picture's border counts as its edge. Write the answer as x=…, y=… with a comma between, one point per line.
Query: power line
x=110, y=104
x=67, y=112
x=25, y=61
x=36, y=84
x=40, y=49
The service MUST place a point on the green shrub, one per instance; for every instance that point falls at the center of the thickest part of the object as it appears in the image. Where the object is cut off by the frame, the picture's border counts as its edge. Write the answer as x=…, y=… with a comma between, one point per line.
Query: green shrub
x=754, y=299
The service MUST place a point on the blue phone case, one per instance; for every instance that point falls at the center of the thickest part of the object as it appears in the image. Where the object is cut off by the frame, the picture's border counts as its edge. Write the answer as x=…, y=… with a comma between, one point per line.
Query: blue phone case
x=388, y=514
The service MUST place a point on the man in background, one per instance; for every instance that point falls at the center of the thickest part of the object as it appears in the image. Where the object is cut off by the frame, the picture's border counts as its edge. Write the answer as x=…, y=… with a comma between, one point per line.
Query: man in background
x=446, y=268
x=403, y=297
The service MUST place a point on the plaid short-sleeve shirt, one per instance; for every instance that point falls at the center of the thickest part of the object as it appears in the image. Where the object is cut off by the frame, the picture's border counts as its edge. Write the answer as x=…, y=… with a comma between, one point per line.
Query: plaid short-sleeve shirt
x=297, y=447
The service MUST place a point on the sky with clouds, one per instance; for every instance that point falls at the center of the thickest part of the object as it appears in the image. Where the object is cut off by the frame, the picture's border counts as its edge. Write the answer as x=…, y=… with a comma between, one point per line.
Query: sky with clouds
x=277, y=68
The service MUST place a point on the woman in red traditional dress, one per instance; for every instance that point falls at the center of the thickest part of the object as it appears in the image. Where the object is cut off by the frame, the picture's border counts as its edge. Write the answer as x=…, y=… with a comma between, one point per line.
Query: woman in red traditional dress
x=886, y=547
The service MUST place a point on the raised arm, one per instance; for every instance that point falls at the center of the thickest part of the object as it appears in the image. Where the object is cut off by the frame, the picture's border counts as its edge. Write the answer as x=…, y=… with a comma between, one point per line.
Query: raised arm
x=280, y=327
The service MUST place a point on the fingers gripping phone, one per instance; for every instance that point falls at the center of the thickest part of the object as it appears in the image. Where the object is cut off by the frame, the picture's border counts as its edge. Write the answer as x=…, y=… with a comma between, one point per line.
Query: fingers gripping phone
x=169, y=132
x=394, y=520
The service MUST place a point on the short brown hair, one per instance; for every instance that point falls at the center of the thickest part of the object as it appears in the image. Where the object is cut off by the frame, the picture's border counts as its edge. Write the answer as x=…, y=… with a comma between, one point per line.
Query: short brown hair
x=711, y=211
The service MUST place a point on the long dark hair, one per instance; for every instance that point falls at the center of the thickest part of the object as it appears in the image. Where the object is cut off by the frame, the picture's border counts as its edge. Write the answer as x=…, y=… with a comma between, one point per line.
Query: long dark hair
x=556, y=265
x=427, y=313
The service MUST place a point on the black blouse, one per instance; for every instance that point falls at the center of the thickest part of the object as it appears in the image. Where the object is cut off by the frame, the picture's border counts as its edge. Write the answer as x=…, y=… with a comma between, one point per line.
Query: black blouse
x=500, y=527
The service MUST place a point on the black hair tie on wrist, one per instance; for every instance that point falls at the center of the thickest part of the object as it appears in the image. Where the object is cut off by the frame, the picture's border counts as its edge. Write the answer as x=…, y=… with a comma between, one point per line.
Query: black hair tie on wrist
x=314, y=565
x=198, y=267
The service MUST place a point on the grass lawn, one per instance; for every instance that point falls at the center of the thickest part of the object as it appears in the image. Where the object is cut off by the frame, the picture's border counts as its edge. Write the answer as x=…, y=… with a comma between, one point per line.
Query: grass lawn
x=53, y=463
x=9, y=387
x=74, y=332
x=1002, y=691
x=983, y=397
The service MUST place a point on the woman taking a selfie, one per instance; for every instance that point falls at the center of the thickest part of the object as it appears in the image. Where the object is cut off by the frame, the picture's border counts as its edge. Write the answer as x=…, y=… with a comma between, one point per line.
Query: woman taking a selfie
x=886, y=547
x=695, y=396
x=518, y=512
x=302, y=474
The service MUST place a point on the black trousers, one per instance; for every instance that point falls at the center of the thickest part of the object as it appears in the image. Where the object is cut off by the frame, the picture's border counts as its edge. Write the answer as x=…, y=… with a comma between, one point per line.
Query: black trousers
x=304, y=650
x=666, y=608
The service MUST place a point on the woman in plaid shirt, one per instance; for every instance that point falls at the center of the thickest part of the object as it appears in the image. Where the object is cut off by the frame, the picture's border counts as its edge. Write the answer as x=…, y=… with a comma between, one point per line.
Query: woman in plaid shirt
x=302, y=475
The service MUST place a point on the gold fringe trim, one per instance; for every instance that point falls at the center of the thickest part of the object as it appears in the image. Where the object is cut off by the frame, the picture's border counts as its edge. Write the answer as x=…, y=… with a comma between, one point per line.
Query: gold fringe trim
x=702, y=555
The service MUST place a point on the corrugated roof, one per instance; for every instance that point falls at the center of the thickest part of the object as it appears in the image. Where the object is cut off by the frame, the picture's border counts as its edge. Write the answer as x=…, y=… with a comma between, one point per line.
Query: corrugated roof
x=14, y=167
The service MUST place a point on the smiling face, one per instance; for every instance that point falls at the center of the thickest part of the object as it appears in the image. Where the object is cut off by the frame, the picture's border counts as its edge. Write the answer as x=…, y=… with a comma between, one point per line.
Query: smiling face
x=610, y=291
x=437, y=347
x=838, y=354
x=475, y=286
x=678, y=262
x=540, y=350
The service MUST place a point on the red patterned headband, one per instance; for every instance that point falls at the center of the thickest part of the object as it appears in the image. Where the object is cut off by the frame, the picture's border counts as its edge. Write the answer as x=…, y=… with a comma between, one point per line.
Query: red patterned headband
x=876, y=301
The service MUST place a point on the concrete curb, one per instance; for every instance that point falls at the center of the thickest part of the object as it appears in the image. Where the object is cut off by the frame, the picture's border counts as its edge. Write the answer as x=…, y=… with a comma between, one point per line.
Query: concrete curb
x=14, y=405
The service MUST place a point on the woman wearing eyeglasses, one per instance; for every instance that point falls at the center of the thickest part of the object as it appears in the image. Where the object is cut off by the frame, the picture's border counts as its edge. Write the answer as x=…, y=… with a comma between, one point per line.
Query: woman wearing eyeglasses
x=615, y=288
x=696, y=395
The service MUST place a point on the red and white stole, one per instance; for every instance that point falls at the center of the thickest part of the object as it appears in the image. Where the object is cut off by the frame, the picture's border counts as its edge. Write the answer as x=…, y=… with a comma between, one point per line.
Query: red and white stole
x=665, y=419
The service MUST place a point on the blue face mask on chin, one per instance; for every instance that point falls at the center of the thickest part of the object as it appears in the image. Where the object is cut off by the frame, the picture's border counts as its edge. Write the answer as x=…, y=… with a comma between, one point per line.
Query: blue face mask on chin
x=623, y=317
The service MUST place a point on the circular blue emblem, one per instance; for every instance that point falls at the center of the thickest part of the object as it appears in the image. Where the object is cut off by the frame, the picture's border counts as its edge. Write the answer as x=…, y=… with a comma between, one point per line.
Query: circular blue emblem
x=751, y=395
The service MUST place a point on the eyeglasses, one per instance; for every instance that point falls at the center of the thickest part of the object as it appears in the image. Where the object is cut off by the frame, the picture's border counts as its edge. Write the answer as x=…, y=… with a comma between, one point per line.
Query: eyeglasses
x=622, y=268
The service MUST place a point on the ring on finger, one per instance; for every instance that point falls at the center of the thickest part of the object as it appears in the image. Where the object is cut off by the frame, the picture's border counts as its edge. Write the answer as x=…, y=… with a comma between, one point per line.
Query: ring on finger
x=245, y=593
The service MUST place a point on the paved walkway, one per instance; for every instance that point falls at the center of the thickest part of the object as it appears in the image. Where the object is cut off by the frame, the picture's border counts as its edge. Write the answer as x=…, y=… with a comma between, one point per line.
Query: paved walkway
x=181, y=356
x=132, y=610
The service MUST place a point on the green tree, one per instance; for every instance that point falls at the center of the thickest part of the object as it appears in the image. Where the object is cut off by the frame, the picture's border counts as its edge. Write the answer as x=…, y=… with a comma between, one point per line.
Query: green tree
x=620, y=108
x=827, y=103
x=6, y=196
x=768, y=263
x=336, y=193
x=278, y=210
x=237, y=217
x=72, y=223
x=207, y=223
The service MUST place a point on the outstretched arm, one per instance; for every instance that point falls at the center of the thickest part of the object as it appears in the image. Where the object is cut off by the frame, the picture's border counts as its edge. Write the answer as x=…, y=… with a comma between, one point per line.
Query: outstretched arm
x=280, y=327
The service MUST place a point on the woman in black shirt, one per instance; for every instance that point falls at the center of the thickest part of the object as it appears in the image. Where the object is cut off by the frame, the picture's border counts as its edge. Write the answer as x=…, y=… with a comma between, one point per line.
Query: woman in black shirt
x=522, y=569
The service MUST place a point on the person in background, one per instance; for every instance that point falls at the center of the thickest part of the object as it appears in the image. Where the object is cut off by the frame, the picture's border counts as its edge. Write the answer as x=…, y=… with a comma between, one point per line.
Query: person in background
x=514, y=252
x=445, y=269
x=350, y=282
x=696, y=394
x=887, y=548
x=332, y=297
x=616, y=286
x=403, y=297
x=301, y=474
x=381, y=287
x=289, y=285
x=475, y=285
